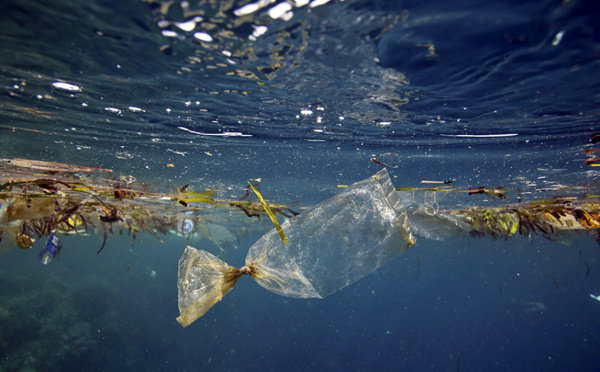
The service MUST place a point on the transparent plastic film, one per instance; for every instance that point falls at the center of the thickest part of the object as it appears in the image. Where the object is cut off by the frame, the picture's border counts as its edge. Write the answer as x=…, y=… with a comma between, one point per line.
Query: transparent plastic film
x=329, y=247
x=336, y=243
x=202, y=280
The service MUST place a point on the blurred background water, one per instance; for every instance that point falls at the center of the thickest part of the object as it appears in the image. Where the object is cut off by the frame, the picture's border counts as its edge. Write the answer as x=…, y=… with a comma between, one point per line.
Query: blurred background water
x=302, y=95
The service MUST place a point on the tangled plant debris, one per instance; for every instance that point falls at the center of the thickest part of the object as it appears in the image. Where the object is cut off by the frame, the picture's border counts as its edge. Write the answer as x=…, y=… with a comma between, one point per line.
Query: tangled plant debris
x=48, y=199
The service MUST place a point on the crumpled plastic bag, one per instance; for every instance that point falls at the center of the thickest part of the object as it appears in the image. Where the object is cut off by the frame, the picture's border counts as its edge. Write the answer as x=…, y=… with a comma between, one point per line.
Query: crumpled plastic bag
x=331, y=246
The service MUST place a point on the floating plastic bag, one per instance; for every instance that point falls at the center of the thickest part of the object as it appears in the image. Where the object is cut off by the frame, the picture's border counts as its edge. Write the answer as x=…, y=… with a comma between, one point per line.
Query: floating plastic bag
x=331, y=246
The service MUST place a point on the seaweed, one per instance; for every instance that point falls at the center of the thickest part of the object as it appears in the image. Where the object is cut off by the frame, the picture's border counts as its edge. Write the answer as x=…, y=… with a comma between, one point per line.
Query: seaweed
x=40, y=198
x=270, y=214
x=492, y=192
x=548, y=217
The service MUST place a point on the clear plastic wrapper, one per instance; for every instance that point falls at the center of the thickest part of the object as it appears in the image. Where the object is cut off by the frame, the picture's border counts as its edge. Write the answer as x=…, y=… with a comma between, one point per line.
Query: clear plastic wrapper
x=331, y=246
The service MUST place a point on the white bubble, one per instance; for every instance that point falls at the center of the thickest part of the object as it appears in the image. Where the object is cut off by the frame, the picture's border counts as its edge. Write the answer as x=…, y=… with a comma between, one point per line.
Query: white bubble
x=259, y=30
x=279, y=10
x=163, y=23
x=66, y=87
x=251, y=8
x=557, y=38
x=203, y=36
x=169, y=33
x=316, y=3
x=113, y=110
x=186, y=26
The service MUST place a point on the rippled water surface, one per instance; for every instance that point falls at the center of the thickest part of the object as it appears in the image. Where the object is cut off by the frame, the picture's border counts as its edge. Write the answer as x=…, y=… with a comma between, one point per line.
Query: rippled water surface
x=303, y=95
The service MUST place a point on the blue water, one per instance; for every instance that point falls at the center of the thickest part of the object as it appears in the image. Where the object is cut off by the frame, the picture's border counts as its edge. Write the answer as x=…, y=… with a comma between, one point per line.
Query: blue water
x=482, y=93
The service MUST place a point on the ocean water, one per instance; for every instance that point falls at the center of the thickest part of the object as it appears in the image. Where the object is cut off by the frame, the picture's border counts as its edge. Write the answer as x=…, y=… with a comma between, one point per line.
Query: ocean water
x=212, y=94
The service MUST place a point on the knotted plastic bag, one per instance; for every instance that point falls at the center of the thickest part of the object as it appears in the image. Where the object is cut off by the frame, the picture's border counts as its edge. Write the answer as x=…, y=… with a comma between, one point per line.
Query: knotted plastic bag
x=331, y=246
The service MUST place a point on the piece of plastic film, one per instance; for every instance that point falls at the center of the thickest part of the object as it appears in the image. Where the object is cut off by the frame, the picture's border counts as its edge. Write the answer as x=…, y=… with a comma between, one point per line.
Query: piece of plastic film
x=334, y=244
x=329, y=247
x=203, y=280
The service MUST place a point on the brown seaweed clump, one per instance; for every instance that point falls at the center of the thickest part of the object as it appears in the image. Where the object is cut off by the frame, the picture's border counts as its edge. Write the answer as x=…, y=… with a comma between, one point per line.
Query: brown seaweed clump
x=549, y=217
x=40, y=198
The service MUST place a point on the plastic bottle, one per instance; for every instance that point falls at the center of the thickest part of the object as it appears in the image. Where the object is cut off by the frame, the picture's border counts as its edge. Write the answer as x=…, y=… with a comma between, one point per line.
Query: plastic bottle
x=50, y=250
x=185, y=226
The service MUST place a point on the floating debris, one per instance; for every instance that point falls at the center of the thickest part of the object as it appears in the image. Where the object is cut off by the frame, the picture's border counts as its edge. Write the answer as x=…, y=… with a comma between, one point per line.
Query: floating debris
x=549, y=217
x=39, y=198
x=52, y=166
x=270, y=213
x=374, y=160
x=51, y=250
x=491, y=192
x=330, y=246
x=447, y=182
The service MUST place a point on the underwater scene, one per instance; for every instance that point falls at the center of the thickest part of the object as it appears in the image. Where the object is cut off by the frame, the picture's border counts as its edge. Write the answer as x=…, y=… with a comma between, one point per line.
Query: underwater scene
x=325, y=185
